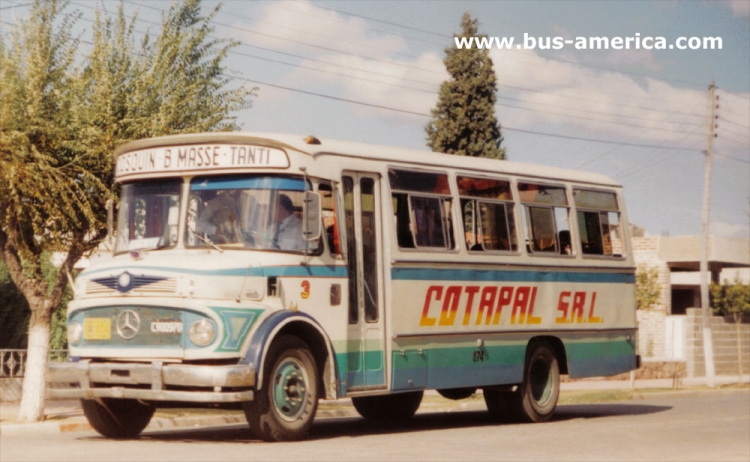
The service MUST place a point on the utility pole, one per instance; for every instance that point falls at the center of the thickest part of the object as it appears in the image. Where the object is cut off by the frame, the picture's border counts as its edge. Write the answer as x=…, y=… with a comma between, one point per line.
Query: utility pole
x=708, y=349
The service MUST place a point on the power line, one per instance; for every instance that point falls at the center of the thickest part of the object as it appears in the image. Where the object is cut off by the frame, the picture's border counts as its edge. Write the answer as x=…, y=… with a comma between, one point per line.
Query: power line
x=307, y=14
x=622, y=124
x=419, y=81
x=334, y=50
x=397, y=64
x=640, y=134
x=551, y=58
x=650, y=98
x=420, y=114
x=735, y=124
x=437, y=34
x=745, y=161
x=745, y=135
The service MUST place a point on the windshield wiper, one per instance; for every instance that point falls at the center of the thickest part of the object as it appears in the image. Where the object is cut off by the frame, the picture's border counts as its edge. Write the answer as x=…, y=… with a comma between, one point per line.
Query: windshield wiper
x=205, y=240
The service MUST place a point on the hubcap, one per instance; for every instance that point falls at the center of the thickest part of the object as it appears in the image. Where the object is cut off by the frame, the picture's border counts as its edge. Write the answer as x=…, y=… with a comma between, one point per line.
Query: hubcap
x=290, y=389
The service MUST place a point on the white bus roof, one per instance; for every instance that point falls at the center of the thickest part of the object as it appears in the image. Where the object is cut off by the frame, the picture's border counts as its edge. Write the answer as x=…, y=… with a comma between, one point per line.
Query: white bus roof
x=387, y=154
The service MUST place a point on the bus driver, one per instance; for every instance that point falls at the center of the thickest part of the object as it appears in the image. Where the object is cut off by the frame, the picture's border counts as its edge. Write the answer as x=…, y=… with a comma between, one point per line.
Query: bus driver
x=287, y=230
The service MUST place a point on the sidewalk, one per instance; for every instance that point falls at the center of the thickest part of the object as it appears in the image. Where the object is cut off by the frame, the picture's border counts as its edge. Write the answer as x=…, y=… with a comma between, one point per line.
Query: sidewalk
x=67, y=416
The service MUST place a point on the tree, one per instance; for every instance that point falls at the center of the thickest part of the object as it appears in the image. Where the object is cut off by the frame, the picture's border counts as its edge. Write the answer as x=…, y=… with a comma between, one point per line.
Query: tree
x=732, y=299
x=60, y=119
x=647, y=287
x=464, y=123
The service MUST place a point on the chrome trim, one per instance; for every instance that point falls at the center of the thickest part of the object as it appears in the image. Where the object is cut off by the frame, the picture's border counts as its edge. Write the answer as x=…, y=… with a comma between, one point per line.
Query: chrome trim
x=156, y=374
x=151, y=395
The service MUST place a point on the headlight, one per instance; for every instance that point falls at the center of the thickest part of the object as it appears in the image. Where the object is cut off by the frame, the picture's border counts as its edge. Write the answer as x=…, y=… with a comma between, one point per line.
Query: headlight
x=201, y=333
x=74, y=333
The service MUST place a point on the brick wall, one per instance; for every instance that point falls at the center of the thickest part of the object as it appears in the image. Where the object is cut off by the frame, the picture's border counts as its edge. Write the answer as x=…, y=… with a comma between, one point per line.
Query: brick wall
x=724, y=336
x=651, y=322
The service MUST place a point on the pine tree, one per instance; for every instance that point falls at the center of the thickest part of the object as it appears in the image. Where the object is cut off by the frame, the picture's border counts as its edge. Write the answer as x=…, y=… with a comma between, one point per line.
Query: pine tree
x=60, y=122
x=464, y=123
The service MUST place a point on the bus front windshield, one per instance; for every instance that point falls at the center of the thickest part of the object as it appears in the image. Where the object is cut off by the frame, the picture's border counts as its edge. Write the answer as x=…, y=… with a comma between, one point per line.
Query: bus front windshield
x=254, y=212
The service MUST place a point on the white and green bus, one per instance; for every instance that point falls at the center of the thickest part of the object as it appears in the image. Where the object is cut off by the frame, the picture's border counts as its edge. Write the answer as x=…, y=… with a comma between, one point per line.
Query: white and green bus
x=267, y=272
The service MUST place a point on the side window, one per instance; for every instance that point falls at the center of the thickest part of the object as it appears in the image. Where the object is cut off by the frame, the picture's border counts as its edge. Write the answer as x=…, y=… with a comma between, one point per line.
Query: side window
x=328, y=205
x=547, y=218
x=487, y=207
x=421, y=209
x=598, y=223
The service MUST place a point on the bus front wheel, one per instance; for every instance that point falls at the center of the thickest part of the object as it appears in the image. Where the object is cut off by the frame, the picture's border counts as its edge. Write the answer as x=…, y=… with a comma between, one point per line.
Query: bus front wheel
x=284, y=408
x=535, y=399
x=117, y=418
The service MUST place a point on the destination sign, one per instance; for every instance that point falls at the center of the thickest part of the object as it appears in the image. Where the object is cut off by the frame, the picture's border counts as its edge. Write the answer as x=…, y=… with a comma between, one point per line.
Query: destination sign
x=199, y=157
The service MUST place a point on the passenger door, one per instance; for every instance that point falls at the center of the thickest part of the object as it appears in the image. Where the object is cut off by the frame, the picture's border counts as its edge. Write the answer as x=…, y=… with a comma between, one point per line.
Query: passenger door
x=365, y=343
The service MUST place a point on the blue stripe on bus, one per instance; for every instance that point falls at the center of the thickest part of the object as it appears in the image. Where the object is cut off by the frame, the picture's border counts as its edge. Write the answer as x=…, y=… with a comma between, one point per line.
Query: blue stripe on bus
x=432, y=274
x=262, y=182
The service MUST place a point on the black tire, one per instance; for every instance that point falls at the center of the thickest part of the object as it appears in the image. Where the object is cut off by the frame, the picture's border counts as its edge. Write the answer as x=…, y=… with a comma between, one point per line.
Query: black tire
x=284, y=408
x=457, y=393
x=389, y=407
x=535, y=399
x=117, y=418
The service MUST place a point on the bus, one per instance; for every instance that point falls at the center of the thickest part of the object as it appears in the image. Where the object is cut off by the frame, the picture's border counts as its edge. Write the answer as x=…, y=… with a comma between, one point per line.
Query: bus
x=267, y=272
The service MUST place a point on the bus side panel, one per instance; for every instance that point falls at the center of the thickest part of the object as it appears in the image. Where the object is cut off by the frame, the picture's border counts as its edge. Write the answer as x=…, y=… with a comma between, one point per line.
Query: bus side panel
x=472, y=326
x=600, y=355
x=458, y=362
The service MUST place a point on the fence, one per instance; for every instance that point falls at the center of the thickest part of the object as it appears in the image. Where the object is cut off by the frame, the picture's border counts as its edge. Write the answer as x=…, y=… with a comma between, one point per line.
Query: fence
x=13, y=362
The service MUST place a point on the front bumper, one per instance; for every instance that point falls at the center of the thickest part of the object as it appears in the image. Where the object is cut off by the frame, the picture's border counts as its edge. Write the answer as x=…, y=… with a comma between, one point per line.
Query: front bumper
x=153, y=381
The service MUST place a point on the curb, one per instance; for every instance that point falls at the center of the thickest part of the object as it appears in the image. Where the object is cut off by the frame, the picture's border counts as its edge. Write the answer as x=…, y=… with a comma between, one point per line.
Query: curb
x=79, y=423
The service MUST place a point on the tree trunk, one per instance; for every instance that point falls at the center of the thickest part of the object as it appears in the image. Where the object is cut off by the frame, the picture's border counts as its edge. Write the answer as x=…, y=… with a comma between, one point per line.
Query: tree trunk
x=34, y=382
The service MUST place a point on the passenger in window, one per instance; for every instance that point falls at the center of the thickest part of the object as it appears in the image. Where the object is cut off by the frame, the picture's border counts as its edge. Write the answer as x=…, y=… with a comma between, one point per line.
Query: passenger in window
x=565, y=247
x=218, y=219
x=227, y=227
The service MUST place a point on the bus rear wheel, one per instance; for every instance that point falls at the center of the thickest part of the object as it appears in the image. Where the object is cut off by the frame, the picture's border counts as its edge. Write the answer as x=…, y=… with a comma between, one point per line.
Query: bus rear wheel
x=117, y=418
x=284, y=408
x=536, y=397
x=388, y=407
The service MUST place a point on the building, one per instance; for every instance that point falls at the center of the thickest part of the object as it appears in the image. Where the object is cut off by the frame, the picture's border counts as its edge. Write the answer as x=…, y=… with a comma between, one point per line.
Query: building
x=666, y=331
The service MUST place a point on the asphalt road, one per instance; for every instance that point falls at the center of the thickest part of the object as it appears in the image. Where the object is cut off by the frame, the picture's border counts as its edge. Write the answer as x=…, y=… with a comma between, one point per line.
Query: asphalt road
x=712, y=426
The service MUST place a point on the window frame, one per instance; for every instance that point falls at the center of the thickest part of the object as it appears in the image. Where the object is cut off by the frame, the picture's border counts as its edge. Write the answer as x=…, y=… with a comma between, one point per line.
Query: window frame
x=477, y=201
x=599, y=211
x=525, y=208
x=446, y=208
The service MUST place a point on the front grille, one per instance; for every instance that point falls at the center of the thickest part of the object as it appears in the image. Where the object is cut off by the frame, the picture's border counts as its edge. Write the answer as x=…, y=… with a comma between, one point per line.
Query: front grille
x=140, y=284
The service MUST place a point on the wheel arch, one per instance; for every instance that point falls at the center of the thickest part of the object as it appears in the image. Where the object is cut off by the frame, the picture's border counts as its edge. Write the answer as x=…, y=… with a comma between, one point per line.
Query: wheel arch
x=558, y=349
x=306, y=329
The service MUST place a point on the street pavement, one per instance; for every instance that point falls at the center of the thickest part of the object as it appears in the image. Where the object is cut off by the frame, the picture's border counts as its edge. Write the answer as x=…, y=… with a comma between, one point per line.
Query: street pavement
x=67, y=415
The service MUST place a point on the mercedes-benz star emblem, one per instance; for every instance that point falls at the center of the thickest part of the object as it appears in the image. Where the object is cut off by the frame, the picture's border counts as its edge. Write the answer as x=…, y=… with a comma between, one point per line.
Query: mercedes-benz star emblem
x=128, y=324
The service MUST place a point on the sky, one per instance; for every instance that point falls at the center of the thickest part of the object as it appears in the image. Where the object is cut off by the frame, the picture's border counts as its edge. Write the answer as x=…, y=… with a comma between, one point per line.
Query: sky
x=370, y=71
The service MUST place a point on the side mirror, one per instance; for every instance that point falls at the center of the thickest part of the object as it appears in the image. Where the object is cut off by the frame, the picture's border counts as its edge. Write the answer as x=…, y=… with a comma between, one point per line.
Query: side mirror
x=311, y=211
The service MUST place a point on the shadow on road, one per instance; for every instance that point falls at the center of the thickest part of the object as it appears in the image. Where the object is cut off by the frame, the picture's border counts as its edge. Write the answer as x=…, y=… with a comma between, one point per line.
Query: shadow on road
x=356, y=427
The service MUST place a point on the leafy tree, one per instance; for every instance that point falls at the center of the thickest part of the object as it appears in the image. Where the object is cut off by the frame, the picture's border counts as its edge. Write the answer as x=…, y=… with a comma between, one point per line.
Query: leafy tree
x=464, y=123
x=732, y=299
x=60, y=119
x=647, y=287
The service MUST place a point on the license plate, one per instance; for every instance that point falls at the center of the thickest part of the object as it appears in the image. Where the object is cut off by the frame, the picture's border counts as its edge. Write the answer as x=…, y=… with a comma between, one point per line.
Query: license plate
x=97, y=328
